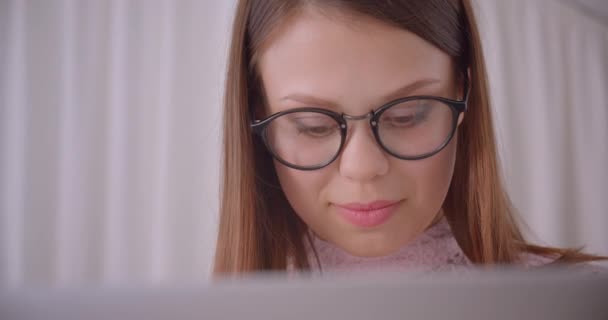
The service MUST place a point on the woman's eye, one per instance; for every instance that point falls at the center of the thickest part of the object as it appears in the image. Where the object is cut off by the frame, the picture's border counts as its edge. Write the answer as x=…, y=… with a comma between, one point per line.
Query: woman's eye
x=313, y=125
x=404, y=121
x=315, y=131
x=405, y=118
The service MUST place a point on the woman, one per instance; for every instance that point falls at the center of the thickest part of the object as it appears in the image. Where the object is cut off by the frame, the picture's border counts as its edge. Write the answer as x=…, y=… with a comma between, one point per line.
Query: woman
x=358, y=135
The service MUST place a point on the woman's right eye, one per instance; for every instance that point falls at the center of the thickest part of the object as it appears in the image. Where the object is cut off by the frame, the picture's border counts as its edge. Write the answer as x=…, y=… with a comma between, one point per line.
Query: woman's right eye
x=312, y=125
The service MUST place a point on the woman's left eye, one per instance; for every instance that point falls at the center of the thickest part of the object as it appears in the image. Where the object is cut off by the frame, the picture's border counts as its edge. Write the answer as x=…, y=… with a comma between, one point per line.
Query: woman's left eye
x=405, y=118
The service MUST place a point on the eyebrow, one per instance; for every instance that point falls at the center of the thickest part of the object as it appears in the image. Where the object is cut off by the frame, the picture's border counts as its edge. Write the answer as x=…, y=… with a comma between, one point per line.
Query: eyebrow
x=399, y=93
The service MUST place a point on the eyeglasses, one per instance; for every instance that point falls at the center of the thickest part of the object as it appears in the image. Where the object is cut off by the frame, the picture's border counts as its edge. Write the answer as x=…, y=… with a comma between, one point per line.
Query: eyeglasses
x=410, y=128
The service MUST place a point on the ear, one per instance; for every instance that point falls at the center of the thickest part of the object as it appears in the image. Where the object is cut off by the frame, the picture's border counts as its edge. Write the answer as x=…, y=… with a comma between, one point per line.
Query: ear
x=465, y=90
x=256, y=111
x=260, y=109
x=460, y=118
x=465, y=84
x=258, y=105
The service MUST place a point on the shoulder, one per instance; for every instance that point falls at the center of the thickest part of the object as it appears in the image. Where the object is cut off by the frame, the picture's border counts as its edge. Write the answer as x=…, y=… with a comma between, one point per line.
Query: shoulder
x=529, y=260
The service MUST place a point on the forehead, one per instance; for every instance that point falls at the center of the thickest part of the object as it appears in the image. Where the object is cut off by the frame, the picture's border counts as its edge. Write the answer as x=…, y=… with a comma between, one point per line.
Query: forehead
x=345, y=58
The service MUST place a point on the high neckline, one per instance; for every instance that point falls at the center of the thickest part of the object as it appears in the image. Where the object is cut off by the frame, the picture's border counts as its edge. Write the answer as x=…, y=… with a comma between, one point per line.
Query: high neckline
x=435, y=249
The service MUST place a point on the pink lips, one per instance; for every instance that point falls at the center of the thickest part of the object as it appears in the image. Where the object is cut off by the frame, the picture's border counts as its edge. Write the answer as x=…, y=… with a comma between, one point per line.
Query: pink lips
x=368, y=214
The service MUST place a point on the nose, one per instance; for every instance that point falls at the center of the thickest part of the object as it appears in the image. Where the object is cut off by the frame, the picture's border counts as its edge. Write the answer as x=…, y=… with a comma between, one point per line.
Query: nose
x=362, y=159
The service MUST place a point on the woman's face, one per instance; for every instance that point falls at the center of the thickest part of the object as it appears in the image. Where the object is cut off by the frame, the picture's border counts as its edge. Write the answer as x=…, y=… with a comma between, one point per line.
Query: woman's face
x=353, y=66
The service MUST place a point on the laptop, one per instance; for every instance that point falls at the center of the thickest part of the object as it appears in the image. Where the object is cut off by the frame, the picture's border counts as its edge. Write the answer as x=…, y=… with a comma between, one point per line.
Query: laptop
x=498, y=294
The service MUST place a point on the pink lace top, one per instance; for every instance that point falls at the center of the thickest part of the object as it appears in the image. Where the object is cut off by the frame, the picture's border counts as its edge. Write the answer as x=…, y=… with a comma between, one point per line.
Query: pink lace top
x=435, y=249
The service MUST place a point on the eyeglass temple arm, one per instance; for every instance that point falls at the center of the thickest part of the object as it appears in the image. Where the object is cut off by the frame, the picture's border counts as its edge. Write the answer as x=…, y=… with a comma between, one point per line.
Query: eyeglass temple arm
x=466, y=89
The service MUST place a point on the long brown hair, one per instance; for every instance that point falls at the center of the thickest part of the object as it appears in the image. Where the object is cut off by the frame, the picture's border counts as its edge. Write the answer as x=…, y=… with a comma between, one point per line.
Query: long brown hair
x=259, y=230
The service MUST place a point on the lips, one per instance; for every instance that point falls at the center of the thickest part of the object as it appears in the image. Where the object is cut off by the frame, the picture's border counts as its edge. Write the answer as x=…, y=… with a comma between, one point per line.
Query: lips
x=367, y=206
x=368, y=215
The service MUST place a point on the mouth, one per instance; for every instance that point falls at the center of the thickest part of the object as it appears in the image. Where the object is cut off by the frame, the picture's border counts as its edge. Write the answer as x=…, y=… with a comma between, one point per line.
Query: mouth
x=368, y=215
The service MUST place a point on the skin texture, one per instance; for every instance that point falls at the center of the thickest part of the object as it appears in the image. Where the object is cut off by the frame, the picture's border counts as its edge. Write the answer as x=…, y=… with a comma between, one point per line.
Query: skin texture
x=353, y=65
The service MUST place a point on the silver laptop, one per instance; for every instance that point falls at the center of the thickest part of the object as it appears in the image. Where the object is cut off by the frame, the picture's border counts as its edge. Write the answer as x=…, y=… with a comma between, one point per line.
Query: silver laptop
x=499, y=294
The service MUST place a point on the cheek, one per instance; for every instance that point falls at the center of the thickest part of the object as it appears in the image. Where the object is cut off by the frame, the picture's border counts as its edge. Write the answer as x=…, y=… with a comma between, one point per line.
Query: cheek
x=432, y=177
x=305, y=190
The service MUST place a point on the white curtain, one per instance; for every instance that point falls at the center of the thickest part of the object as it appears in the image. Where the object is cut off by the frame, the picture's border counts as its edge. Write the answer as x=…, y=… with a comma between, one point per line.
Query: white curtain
x=110, y=132
x=548, y=70
x=110, y=120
